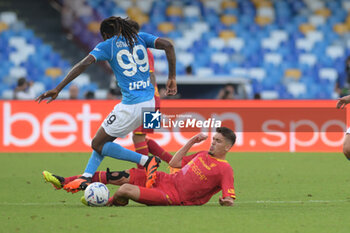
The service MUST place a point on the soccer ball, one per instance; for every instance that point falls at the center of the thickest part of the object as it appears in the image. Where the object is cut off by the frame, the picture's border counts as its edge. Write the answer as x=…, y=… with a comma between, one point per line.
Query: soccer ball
x=96, y=194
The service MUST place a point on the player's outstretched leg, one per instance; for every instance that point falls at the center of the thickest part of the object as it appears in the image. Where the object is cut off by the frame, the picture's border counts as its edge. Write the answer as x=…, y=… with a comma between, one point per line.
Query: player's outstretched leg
x=151, y=167
x=117, y=177
x=78, y=184
x=149, y=162
x=156, y=150
x=56, y=181
x=139, y=194
x=83, y=181
x=140, y=144
x=108, y=177
x=105, y=177
x=95, y=160
x=116, y=151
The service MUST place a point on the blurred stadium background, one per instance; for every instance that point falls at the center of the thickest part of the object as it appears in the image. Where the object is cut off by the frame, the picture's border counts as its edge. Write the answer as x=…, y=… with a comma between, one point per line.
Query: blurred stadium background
x=268, y=49
x=240, y=49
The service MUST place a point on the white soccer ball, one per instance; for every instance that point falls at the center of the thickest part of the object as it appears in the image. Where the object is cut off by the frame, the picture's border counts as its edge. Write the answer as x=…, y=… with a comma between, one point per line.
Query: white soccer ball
x=96, y=194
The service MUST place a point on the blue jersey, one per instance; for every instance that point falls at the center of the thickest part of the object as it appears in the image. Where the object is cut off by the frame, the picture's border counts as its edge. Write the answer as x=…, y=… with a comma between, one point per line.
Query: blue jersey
x=131, y=68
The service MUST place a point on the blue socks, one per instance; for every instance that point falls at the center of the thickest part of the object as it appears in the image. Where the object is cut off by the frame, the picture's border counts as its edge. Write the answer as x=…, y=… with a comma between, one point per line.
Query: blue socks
x=116, y=151
x=94, y=161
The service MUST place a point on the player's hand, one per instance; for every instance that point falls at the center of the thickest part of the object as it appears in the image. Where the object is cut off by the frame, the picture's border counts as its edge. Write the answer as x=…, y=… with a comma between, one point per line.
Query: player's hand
x=171, y=87
x=227, y=201
x=49, y=94
x=343, y=101
x=199, y=138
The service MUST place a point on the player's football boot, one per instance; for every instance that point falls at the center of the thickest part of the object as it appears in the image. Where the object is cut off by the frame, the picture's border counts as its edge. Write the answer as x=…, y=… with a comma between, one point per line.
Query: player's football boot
x=82, y=199
x=78, y=184
x=151, y=167
x=56, y=181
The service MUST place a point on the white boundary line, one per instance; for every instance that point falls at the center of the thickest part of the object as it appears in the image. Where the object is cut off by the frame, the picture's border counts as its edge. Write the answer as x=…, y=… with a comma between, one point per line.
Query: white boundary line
x=39, y=204
x=212, y=202
x=288, y=202
x=291, y=202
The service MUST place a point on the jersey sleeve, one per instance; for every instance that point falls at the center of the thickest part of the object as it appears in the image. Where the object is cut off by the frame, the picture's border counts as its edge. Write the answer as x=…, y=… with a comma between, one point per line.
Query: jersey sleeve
x=149, y=39
x=102, y=51
x=187, y=159
x=150, y=60
x=227, y=186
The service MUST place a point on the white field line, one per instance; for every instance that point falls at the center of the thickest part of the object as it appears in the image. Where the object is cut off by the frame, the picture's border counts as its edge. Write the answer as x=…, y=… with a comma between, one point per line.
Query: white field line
x=287, y=202
x=38, y=204
x=212, y=202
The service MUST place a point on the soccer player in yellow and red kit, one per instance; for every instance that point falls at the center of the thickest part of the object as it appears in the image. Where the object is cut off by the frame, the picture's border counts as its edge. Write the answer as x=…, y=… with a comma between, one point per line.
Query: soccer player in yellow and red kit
x=202, y=175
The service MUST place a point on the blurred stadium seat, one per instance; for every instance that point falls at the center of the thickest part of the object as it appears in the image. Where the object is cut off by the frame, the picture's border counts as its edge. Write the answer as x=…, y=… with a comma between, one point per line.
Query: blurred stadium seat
x=264, y=41
x=25, y=55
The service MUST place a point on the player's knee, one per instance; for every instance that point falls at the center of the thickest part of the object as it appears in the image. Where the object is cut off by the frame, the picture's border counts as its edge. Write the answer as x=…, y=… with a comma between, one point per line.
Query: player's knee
x=137, y=138
x=96, y=146
x=125, y=190
x=134, y=138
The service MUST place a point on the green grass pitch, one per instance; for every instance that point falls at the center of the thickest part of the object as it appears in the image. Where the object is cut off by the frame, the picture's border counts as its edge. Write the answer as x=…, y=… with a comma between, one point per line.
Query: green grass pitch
x=276, y=193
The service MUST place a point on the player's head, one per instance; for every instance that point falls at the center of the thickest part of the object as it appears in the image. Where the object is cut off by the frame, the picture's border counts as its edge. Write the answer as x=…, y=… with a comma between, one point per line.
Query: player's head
x=222, y=142
x=117, y=26
x=134, y=24
x=22, y=82
x=73, y=92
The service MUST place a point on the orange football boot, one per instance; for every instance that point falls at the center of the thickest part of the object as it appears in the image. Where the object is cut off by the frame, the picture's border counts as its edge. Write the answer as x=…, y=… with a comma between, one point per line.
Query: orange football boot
x=151, y=167
x=78, y=184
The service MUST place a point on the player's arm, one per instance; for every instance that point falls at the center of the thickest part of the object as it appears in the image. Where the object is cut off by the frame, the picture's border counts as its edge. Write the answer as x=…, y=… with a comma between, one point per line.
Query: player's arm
x=228, y=190
x=226, y=201
x=343, y=101
x=72, y=74
x=153, y=79
x=101, y=52
x=164, y=44
x=151, y=67
x=176, y=160
x=168, y=47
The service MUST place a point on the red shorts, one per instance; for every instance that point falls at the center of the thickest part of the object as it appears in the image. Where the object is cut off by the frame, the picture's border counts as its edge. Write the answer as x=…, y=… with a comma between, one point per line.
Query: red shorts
x=162, y=193
x=140, y=129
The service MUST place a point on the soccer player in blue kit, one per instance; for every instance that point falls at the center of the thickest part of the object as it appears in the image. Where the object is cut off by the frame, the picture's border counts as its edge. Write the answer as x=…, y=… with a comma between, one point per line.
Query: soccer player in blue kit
x=126, y=52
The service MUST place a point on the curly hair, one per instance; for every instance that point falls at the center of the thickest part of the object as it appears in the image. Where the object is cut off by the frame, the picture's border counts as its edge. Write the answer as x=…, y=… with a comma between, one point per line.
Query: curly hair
x=113, y=26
